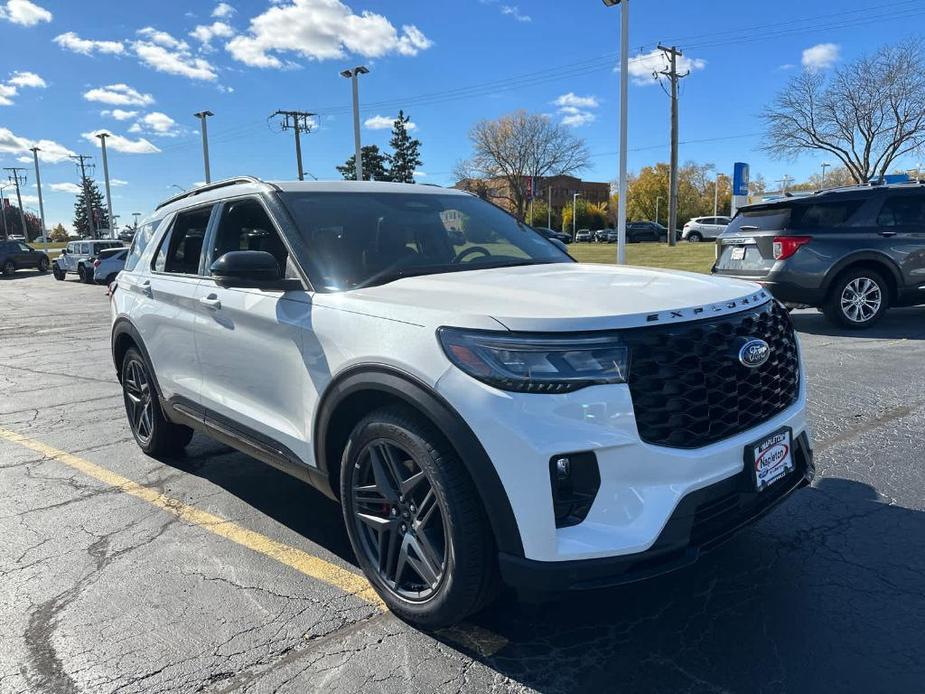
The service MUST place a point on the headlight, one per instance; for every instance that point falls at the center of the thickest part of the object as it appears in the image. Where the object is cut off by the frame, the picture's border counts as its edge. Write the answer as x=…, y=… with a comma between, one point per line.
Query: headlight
x=537, y=363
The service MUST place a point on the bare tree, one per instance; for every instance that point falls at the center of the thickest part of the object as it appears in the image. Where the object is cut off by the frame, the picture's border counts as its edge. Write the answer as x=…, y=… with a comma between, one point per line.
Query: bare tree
x=867, y=114
x=516, y=146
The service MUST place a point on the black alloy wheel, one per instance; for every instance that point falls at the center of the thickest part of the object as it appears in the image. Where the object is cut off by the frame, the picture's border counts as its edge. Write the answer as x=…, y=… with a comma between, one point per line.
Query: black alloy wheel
x=154, y=434
x=415, y=519
x=43, y=264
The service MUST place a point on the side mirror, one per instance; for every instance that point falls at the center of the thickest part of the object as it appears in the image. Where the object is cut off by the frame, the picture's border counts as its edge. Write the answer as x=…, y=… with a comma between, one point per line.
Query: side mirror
x=257, y=269
x=63, y=251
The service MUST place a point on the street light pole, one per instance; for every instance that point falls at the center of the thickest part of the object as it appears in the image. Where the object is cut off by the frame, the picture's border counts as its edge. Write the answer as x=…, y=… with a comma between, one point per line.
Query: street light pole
x=204, y=129
x=624, y=94
x=716, y=194
x=575, y=197
x=549, y=206
x=136, y=215
x=38, y=183
x=354, y=75
x=658, y=200
x=825, y=165
x=102, y=137
x=6, y=231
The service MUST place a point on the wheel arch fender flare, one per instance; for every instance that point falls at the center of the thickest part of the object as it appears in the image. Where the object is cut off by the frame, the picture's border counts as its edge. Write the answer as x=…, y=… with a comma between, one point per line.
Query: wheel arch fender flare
x=397, y=384
x=869, y=258
x=124, y=334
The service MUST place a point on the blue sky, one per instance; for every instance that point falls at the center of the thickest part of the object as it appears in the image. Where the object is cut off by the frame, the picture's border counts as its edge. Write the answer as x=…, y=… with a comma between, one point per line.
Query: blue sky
x=139, y=70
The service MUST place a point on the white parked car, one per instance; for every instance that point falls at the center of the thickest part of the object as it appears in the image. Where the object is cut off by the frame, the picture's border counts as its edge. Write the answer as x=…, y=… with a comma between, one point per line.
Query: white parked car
x=477, y=423
x=108, y=264
x=702, y=228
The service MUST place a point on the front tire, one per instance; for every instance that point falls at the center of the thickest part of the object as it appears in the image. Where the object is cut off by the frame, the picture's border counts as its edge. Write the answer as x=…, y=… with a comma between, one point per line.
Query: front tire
x=154, y=434
x=415, y=520
x=57, y=272
x=857, y=299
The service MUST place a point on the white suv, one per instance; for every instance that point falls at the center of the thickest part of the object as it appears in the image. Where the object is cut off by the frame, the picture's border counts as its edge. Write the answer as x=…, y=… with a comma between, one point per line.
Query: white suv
x=484, y=407
x=700, y=228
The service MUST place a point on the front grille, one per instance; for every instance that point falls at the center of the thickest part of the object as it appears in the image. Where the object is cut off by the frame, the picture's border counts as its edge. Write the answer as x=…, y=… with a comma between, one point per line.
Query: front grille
x=689, y=388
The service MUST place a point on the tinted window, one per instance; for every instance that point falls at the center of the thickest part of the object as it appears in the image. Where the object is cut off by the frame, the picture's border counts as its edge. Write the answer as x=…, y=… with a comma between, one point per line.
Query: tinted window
x=350, y=240
x=24, y=248
x=140, y=241
x=181, y=249
x=245, y=226
x=902, y=210
x=823, y=215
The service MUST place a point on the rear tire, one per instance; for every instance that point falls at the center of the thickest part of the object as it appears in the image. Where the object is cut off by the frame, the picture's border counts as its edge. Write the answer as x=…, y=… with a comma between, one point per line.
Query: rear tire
x=437, y=523
x=694, y=237
x=857, y=299
x=43, y=265
x=86, y=274
x=9, y=267
x=155, y=435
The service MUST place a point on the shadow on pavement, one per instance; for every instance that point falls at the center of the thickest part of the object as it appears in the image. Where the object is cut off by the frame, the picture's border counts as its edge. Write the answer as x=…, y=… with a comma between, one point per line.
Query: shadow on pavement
x=824, y=594
x=24, y=275
x=897, y=324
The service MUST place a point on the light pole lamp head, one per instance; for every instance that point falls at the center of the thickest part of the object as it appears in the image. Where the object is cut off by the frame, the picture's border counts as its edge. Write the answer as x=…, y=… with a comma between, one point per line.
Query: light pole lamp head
x=355, y=72
x=612, y=3
x=203, y=114
x=102, y=136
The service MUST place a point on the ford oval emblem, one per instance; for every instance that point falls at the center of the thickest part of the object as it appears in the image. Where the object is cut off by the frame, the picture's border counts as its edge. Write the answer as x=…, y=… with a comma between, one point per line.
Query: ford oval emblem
x=754, y=353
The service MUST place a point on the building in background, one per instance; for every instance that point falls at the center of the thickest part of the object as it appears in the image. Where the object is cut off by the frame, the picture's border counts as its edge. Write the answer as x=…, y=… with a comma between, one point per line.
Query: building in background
x=558, y=190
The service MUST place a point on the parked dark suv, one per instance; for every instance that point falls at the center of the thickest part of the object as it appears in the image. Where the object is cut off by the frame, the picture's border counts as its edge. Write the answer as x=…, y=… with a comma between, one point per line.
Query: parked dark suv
x=16, y=255
x=852, y=252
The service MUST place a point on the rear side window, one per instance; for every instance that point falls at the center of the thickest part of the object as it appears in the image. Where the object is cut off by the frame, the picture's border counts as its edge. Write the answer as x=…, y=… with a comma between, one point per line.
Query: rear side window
x=902, y=210
x=140, y=241
x=823, y=215
x=181, y=249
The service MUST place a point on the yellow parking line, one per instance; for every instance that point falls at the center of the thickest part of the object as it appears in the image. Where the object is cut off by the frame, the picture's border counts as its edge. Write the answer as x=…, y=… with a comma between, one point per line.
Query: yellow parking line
x=301, y=561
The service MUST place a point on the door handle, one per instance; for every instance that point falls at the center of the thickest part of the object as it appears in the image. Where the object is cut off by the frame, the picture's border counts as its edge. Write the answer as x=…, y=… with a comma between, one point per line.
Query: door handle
x=145, y=288
x=887, y=234
x=211, y=302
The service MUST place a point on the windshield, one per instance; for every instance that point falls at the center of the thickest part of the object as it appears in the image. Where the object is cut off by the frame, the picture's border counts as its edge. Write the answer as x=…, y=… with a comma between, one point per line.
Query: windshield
x=354, y=240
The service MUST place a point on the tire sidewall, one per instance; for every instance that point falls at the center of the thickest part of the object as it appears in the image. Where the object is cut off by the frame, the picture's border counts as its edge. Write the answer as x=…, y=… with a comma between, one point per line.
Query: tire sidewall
x=392, y=429
x=9, y=267
x=694, y=237
x=43, y=265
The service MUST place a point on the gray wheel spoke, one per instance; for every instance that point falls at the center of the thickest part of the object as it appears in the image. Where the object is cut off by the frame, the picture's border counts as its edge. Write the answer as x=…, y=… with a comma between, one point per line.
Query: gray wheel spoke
x=385, y=482
x=422, y=560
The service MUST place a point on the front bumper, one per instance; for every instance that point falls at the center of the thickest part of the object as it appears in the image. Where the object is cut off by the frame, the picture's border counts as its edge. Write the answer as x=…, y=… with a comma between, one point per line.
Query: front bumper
x=703, y=520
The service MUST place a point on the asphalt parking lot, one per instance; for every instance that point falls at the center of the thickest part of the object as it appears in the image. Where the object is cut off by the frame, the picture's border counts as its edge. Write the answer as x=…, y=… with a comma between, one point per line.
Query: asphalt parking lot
x=215, y=573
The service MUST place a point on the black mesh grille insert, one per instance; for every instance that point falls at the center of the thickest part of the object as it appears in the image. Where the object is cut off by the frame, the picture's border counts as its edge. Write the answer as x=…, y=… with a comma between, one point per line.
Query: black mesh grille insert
x=689, y=388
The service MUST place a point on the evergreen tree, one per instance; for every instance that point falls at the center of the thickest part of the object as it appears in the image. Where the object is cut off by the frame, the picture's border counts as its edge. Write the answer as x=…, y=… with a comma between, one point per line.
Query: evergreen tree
x=100, y=218
x=373, y=165
x=406, y=151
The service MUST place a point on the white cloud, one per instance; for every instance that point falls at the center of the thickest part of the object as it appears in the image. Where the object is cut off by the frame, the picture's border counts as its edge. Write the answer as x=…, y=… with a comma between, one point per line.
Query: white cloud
x=576, y=110
x=204, y=33
x=165, y=53
x=223, y=9
x=24, y=12
x=420, y=174
x=73, y=42
x=514, y=11
x=116, y=182
x=49, y=151
x=322, y=30
x=385, y=123
x=156, y=123
x=643, y=66
x=72, y=188
x=119, y=143
x=10, y=88
x=119, y=95
x=119, y=114
x=572, y=99
x=821, y=56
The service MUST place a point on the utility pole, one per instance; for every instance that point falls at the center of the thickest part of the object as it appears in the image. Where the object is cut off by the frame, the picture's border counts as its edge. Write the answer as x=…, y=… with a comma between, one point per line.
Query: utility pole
x=81, y=160
x=784, y=183
x=672, y=53
x=549, y=206
x=204, y=129
x=300, y=122
x=575, y=197
x=716, y=193
x=18, y=180
x=354, y=75
x=825, y=165
x=136, y=215
x=38, y=183
x=102, y=137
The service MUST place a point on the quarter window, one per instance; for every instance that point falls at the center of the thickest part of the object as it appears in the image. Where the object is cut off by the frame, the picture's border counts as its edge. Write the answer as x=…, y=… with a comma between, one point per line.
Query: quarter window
x=181, y=249
x=140, y=241
x=823, y=215
x=902, y=210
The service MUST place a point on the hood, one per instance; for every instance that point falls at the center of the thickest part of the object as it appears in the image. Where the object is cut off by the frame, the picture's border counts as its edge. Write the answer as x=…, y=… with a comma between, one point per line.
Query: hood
x=558, y=297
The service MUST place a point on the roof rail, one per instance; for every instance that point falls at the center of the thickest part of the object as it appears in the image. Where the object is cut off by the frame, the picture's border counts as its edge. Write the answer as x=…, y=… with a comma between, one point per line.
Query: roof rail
x=209, y=186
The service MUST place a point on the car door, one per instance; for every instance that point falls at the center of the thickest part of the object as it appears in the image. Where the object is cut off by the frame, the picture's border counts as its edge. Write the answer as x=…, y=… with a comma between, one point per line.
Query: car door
x=26, y=257
x=250, y=341
x=901, y=231
x=166, y=305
